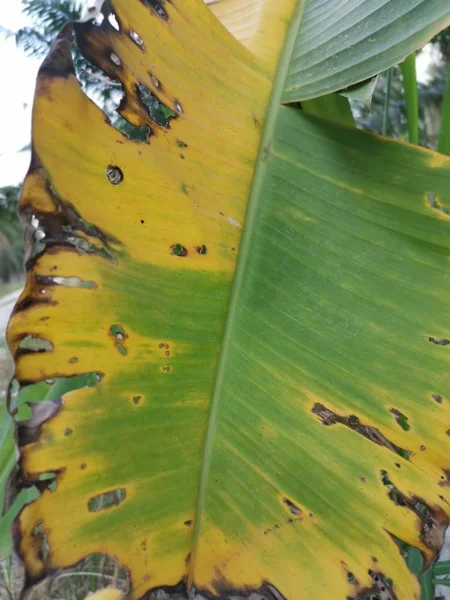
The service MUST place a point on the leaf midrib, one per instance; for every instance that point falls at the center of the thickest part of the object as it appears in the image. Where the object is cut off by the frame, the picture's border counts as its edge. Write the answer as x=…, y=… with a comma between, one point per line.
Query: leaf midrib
x=273, y=107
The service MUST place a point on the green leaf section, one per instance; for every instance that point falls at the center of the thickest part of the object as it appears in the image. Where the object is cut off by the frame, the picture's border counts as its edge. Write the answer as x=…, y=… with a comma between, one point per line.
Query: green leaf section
x=333, y=107
x=335, y=331
x=342, y=43
x=427, y=585
x=362, y=92
x=441, y=568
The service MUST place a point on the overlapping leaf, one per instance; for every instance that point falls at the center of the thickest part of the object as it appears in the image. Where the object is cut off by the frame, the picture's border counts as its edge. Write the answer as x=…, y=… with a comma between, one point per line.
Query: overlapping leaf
x=340, y=43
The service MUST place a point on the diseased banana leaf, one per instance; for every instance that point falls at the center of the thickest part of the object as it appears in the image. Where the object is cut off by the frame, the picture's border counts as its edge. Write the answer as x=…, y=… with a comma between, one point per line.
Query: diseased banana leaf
x=275, y=422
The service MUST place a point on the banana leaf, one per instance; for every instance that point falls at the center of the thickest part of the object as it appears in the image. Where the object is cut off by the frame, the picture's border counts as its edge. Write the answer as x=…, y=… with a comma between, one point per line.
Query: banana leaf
x=251, y=302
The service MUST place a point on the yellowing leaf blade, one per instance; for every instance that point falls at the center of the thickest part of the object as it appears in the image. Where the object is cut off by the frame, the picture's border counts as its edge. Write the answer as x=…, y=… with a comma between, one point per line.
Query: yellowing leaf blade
x=277, y=429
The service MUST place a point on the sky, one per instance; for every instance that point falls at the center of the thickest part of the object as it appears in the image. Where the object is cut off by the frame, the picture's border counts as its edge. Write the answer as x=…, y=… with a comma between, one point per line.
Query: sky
x=18, y=74
x=19, y=71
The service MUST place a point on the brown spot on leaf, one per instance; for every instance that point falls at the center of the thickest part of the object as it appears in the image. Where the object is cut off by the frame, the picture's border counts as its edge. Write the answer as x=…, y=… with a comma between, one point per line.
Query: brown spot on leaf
x=328, y=417
x=439, y=342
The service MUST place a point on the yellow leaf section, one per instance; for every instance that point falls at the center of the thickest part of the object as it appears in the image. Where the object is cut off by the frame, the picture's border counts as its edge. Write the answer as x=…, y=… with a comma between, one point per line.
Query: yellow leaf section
x=259, y=25
x=108, y=260
x=91, y=310
x=273, y=545
x=245, y=570
x=179, y=184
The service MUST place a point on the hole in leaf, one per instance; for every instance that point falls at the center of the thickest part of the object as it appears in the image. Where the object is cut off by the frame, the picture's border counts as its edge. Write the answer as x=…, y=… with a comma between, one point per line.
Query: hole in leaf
x=66, y=281
x=51, y=390
x=114, y=174
x=107, y=500
x=178, y=250
x=157, y=111
x=132, y=132
x=115, y=59
x=119, y=335
x=433, y=202
x=400, y=419
x=47, y=481
x=137, y=39
x=42, y=543
x=295, y=510
x=92, y=574
x=33, y=343
x=113, y=21
x=117, y=331
x=156, y=6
